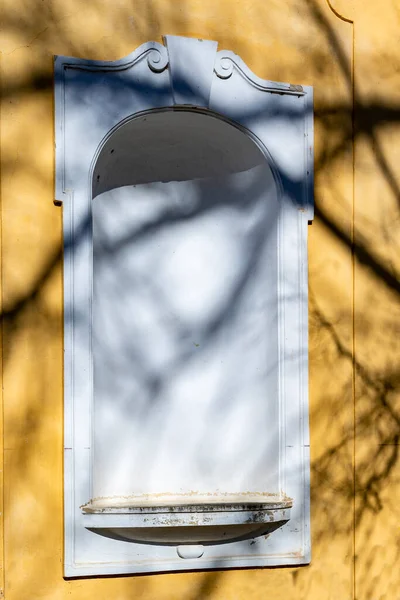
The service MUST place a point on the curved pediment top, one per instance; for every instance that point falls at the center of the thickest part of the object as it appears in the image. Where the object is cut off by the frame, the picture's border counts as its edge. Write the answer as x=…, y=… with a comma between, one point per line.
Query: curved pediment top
x=227, y=61
x=191, y=62
x=156, y=53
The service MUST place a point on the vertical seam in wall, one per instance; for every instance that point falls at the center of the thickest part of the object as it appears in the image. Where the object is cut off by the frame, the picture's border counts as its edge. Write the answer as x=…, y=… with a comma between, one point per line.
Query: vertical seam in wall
x=353, y=287
x=2, y=575
x=353, y=324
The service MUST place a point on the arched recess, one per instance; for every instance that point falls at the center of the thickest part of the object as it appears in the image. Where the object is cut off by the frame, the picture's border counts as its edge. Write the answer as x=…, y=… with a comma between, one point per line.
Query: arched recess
x=186, y=184
x=185, y=220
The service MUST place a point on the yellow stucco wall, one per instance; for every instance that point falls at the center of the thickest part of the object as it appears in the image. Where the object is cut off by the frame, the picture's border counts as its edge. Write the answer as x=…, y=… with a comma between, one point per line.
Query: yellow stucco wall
x=350, y=53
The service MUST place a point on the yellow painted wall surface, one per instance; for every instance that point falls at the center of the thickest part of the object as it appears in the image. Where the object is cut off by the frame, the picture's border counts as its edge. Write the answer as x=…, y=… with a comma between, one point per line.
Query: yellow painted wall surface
x=350, y=53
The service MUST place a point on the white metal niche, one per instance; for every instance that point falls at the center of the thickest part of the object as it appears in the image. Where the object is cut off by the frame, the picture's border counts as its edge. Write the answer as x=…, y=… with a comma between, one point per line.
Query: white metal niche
x=186, y=183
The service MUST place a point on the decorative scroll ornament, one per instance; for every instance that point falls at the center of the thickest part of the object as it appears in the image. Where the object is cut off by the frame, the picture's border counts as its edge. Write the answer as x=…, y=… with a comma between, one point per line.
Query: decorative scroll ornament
x=157, y=59
x=223, y=65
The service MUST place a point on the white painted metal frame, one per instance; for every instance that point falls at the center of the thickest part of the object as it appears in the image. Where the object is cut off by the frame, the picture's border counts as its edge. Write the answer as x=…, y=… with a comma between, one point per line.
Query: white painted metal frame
x=92, y=99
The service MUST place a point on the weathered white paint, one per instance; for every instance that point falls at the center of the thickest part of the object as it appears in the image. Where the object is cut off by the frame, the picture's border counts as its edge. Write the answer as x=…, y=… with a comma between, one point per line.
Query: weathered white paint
x=226, y=197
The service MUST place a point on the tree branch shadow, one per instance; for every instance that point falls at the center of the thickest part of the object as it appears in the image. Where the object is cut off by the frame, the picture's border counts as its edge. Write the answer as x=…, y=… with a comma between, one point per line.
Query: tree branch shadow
x=377, y=387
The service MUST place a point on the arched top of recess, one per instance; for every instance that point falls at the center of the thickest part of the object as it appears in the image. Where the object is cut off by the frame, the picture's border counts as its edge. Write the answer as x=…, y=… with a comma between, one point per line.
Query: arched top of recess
x=173, y=145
